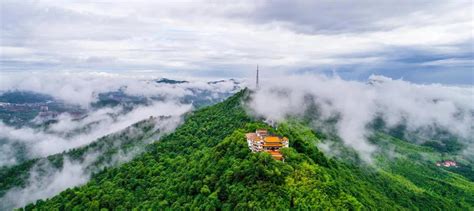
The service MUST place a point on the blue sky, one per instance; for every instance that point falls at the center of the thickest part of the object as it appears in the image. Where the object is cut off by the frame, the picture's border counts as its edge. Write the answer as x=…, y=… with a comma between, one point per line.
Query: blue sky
x=422, y=41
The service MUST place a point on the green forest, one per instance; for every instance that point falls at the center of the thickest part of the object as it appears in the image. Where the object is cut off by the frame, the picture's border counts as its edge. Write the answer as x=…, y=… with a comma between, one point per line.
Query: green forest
x=206, y=164
x=128, y=141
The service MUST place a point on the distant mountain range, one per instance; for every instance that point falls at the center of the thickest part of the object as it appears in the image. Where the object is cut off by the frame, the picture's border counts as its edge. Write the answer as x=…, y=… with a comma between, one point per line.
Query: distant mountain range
x=170, y=81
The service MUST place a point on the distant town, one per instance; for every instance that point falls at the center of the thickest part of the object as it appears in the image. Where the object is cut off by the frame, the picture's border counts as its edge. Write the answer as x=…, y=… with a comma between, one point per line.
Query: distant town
x=19, y=114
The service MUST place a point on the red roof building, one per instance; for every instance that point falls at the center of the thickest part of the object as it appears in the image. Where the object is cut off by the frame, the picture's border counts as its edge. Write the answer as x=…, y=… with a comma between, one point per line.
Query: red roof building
x=262, y=141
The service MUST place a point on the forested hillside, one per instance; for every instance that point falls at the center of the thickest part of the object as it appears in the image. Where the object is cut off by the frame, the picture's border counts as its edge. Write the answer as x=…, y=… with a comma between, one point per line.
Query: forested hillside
x=205, y=164
x=110, y=150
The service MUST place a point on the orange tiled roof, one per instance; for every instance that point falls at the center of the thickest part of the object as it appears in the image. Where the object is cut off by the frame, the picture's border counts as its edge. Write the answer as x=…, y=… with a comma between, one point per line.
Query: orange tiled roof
x=276, y=154
x=272, y=144
x=272, y=139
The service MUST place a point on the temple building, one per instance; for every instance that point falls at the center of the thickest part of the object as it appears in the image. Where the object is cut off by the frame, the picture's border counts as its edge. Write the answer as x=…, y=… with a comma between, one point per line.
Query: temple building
x=261, y=140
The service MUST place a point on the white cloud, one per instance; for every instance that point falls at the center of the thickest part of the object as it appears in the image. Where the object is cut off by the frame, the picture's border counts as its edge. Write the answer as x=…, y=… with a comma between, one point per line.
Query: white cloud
x=83, y=89
x=357, y=104
x=46, y=180
x=44, y=186
x=193, y=36
x=58, y=137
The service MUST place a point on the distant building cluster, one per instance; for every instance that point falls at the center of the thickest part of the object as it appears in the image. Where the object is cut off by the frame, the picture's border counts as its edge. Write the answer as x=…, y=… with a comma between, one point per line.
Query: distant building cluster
x=46, y=115
x=20, y=107
x=261, y=140
x=447, y=163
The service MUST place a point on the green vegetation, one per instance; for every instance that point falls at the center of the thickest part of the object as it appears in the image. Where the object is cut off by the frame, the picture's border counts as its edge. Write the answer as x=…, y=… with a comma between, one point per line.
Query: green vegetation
x=205, y=164
x=127, y=141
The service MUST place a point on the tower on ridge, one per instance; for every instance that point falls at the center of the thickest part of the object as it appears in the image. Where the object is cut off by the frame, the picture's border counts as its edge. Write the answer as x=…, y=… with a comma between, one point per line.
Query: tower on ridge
x=257, y=85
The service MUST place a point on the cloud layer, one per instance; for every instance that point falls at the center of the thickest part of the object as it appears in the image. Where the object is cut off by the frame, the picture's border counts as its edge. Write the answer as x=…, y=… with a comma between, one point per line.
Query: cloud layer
x=47, y=179
x=398, y=39
x=356, y=104
x=58, y=138
x=83, y=89
x=168, y=100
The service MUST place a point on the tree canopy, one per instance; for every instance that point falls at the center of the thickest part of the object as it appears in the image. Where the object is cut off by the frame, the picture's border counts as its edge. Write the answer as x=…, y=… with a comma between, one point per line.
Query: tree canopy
x=206, y=164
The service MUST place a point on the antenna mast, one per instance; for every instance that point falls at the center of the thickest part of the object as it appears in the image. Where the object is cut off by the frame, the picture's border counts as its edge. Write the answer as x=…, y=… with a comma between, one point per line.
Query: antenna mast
x=257, y=85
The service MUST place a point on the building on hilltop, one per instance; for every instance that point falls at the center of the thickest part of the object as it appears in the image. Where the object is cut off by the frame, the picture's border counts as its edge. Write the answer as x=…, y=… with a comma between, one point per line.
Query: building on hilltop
x=261, y=140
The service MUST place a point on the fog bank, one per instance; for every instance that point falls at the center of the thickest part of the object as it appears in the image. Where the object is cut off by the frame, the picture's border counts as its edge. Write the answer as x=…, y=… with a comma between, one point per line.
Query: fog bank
x=355, y=104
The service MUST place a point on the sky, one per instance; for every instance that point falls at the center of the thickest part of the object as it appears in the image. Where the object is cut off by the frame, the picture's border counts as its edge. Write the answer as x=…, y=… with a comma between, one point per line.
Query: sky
x=418, y=41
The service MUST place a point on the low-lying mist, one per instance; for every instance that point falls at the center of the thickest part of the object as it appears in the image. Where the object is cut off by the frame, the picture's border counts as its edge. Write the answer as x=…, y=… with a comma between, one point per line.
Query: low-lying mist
x=354, y=105
x=156, y=98
x=68, y=133
x=84, y=88
x=78, y=146
x=49, y=176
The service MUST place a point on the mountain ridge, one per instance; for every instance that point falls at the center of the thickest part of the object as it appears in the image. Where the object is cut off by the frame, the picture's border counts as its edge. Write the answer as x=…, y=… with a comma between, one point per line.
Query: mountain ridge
x=205, y=164
x=105, y=152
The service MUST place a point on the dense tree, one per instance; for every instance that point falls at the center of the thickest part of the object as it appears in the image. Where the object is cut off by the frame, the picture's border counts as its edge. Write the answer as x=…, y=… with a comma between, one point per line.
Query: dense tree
x=205, y=164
